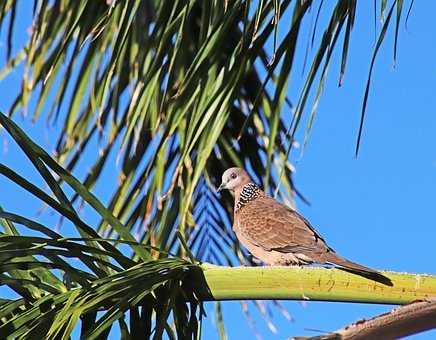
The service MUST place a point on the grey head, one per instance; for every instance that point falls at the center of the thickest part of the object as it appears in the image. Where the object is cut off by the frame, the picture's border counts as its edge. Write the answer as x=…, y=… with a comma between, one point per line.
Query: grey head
x=234, y=179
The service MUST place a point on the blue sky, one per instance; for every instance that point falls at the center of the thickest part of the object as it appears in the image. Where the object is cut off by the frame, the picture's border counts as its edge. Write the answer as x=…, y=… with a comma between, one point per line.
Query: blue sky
x=378, y=209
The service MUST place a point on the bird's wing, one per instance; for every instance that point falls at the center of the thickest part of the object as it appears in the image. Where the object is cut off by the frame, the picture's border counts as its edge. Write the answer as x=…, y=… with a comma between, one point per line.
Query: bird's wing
x=271, y=225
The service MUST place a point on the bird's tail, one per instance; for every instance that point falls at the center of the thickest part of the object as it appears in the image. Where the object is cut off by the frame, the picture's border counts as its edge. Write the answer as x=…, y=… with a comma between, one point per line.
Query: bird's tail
x=356, y=268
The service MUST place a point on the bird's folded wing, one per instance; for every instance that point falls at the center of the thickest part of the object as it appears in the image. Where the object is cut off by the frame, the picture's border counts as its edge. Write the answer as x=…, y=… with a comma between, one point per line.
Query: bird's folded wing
x=271, y=225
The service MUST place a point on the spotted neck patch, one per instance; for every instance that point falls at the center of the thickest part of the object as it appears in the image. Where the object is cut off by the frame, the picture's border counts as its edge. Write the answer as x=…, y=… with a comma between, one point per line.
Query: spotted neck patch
x=249, y=192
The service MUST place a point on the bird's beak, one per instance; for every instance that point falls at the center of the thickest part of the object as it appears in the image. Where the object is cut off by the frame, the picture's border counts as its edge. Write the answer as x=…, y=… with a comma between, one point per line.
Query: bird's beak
x=221, y=187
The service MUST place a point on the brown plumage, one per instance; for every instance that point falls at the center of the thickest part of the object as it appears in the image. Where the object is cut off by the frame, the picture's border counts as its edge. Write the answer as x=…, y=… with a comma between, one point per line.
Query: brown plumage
x=277, y=234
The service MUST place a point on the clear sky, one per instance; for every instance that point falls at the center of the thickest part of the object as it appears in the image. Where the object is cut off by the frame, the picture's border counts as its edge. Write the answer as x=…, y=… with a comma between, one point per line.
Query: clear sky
x=378, y=209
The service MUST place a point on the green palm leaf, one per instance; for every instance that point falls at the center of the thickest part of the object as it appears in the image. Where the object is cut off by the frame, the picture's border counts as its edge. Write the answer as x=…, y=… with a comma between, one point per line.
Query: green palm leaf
x=170, y=94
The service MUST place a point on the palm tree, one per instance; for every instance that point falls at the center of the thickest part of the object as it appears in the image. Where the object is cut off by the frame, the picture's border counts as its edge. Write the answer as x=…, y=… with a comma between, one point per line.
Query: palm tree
x=170, y=93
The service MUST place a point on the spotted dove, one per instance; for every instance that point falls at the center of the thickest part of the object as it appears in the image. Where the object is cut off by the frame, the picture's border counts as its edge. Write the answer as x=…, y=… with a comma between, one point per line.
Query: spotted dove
x=277, y=234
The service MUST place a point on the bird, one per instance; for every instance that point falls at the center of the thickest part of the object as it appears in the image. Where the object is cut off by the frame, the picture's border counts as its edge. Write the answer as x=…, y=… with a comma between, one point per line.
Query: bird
x=278, y=235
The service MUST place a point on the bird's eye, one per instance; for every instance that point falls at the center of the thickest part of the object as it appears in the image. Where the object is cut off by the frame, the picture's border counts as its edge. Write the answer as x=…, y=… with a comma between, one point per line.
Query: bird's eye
x=233, y=176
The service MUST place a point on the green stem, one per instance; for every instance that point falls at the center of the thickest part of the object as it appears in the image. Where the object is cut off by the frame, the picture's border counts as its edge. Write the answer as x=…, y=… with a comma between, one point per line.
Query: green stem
x=307, y=283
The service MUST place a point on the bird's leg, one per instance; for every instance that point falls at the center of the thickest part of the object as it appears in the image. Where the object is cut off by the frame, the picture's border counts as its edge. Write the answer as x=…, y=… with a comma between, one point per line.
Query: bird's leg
x=255, y=261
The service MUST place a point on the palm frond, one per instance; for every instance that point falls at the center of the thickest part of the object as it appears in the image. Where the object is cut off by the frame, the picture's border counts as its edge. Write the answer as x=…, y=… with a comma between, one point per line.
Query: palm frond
x=167, y=95
x=63, y=282
x=175, y=91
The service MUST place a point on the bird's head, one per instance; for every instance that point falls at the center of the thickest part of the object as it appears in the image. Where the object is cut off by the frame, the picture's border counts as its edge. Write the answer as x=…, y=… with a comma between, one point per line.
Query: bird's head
x=234, y=178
